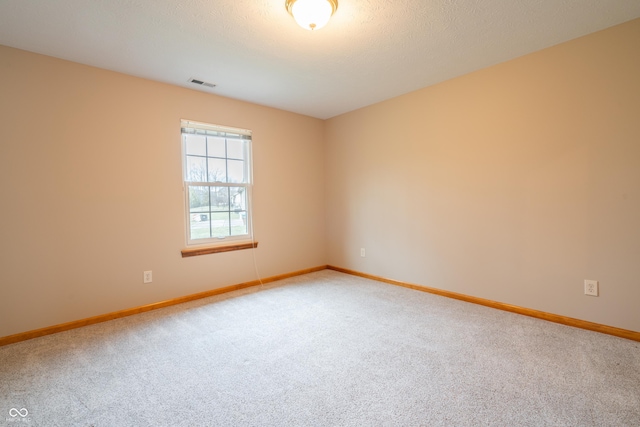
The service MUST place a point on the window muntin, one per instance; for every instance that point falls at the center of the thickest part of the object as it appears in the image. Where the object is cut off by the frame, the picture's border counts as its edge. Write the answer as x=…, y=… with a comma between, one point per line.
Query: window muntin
x=217, y=178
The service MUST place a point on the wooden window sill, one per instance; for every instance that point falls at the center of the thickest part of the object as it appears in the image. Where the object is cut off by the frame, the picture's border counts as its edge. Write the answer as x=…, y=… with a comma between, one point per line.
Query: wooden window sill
x=216, y=249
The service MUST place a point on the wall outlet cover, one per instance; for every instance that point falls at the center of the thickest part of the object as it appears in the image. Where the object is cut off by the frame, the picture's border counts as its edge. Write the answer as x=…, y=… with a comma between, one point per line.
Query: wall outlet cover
x=591, y=287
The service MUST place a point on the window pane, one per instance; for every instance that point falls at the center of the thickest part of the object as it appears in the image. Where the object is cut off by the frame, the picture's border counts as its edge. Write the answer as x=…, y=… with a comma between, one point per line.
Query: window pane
x=235, y=149
x=238, y=210
x=196, y=145
x=198, y=199
x=200, y=226
x=199, y=212
x=238, y=223
x=220, y=224
x=238, y=198
x=217, y=170
x=219, y=198
x=216, y=147
x=236, y=171
x=196, y=167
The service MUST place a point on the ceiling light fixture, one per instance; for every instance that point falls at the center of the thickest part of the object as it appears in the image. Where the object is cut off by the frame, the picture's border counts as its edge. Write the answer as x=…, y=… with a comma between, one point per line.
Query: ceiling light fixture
x=311, y=14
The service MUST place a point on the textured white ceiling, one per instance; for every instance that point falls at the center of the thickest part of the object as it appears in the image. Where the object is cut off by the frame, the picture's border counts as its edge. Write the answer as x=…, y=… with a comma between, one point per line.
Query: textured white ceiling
x=253, y=50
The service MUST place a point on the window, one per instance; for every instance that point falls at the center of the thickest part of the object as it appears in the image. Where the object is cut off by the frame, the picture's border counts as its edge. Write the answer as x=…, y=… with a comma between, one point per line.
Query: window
x=217, y=183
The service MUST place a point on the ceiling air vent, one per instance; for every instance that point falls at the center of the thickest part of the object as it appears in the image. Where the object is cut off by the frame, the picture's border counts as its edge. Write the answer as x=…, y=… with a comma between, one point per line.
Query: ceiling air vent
x=201, y=83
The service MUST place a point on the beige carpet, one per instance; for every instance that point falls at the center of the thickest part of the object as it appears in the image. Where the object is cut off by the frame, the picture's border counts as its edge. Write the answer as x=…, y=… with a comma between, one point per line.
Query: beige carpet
x=325, y=349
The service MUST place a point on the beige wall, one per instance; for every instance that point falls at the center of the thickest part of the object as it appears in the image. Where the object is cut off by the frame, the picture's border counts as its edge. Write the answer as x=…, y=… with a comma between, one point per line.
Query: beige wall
x=514, y=183
x=90, y=184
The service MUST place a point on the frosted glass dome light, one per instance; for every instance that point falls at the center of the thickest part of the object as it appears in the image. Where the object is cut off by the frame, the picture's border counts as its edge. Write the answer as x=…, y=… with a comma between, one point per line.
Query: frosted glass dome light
x=311, y=14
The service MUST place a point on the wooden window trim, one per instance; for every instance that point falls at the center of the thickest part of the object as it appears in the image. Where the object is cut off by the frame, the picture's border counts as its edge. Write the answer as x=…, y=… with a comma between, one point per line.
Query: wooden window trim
x=216, y=249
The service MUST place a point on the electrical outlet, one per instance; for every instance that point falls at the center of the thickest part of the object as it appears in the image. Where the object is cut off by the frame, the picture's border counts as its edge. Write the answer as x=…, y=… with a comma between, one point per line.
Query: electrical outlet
x=148, y=276
x=362, y=252
x=591, y=287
